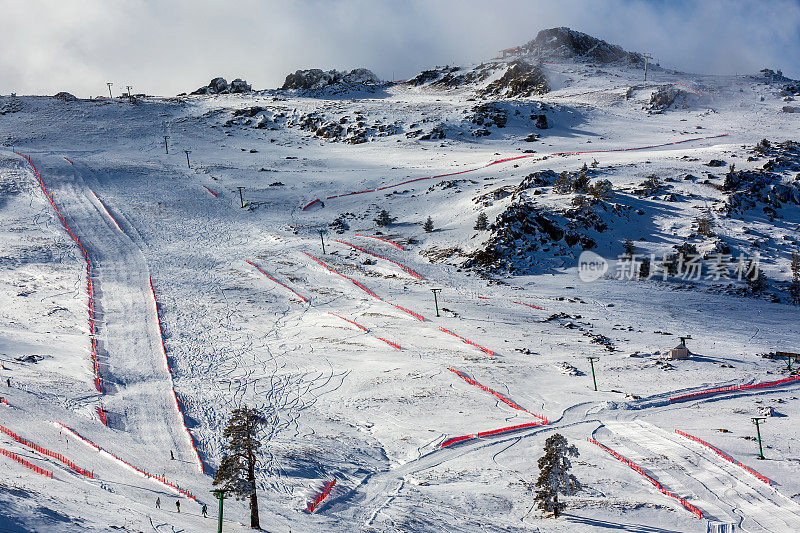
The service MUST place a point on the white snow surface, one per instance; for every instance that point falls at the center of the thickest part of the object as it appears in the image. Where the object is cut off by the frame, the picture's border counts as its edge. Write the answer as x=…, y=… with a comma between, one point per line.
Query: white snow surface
x=341, y=403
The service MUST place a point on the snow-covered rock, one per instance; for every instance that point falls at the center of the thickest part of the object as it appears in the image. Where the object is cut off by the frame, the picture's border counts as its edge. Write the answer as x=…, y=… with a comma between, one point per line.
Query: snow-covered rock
x=320, y=79
x=63, y=95
x=220, y=86
x=567, y=43
x=521, y=79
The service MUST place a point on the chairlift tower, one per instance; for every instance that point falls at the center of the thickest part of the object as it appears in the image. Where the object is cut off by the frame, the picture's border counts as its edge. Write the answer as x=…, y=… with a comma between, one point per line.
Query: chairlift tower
x=646, y=56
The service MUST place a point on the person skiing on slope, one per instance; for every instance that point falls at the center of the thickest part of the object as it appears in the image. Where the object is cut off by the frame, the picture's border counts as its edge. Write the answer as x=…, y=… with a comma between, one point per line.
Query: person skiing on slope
x=205, y=511
x=178, y=505
x=158, y=503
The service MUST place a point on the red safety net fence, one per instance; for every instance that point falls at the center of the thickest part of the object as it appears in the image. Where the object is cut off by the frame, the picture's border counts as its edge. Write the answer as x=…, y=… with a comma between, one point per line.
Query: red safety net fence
x=160, y=330
x=493, y=392
x=387, y=241
x=26, y=464
x=45, y=451
x=734, y=388
x=725, y=456
x=105, y=210
x=488, y=433
x=515, y=158
x=209, y=190
x=69, y=161
x=125, y=463
x=101, y=413
x=324, y=493
x=360, y=249
x=313, y=202
x=690, y=88
x=356, y=324
x=362, y=328
x=688, y=506
x=304, y=299
x=529, y=305
x=363, y=288
x=89, y=287
x=467, y=341
x=172, y=385
x=390, y=343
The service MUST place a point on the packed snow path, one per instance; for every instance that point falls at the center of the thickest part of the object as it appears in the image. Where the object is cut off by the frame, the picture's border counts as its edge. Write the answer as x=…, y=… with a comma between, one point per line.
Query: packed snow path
x=722, y=490
x=138, y=388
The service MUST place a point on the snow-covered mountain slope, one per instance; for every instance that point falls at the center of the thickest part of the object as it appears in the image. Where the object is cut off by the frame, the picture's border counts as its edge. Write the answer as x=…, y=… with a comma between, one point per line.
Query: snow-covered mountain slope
x=343, y=402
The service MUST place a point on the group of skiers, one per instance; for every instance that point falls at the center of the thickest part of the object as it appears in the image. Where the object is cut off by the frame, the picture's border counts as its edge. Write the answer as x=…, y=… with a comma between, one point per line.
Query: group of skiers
x=178, y=507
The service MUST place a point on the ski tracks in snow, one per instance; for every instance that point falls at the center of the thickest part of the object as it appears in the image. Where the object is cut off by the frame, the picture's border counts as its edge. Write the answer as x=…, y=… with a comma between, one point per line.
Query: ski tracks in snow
x=138, y=395
x=722, y=490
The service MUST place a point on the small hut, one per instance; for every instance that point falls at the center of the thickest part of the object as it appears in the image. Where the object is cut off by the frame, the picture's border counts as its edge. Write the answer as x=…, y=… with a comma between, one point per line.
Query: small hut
x=679, y=352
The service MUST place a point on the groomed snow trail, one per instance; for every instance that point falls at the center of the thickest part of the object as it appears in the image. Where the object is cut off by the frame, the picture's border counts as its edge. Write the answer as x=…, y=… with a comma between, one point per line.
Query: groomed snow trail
x=138, y=387
x=721, y=489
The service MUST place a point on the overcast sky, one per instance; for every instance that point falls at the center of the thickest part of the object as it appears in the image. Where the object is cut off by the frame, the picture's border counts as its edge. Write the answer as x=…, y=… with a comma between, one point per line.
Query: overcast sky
x=169, y=46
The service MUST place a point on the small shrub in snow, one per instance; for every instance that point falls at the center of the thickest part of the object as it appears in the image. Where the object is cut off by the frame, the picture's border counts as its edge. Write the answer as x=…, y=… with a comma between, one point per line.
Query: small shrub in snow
x=580, y=202
x=383, y=218
x=763, y=146
x=705, y=225
x=428, y=226
x=650, y=186
x=602, y=190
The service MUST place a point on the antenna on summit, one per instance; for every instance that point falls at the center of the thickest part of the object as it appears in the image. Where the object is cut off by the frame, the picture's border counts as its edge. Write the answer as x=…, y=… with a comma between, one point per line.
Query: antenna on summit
x=646, y=56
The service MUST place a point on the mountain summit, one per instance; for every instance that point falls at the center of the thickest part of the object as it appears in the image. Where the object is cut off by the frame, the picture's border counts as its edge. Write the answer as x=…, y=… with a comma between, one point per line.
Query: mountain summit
x=567, y=43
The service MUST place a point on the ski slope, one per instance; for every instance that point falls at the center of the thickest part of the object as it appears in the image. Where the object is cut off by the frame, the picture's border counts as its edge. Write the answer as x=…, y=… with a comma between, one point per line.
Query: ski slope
x=344, y=351
x=724, y=492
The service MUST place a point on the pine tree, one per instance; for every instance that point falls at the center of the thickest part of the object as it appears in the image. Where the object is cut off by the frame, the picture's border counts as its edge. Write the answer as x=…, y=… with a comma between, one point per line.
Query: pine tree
x=237, y=470
x=482, y=223
x=754, y=278
x=644, y=268
x=428, y=226
x=581, y=182
x=794, y=288
x=554, y=476
x=628, y=246
x=563, y=183
x=383, y=218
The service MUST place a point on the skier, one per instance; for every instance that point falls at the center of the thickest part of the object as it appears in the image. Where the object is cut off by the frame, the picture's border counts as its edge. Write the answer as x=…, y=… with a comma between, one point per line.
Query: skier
x=205, y=511
x=158, y=503
x=171, y=455
x=178, y=505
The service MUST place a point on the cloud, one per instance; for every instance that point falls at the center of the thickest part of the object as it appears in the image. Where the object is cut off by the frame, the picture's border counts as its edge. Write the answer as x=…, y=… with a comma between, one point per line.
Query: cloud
x=166, y=47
